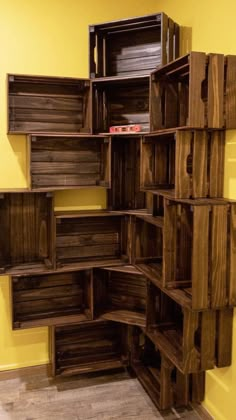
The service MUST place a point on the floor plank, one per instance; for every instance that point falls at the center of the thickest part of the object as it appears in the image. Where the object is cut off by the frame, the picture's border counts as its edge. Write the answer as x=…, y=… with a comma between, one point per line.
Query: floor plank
x=113, y=396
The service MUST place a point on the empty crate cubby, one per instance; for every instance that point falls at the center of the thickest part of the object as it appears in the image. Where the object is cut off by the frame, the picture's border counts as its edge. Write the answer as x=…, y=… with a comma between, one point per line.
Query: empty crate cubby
x=88, y=347
x=164, y=383
x=69, y=161
x=196, y=90
x=51, y=299
x=198, y=250
x=125, y=193
x=91, y=238
x=185, y=337
x=26, y=223
x=132, y=46
x=48, y=104
x=120, y=295
x=121, y=101
x=188, y=162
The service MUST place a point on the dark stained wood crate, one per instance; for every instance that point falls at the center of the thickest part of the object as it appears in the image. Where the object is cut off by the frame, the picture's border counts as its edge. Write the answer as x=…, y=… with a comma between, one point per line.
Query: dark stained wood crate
x=89, y=347
x=125, y=193
x=51, y=299
x=196, y=90
x=132, y=46
x=189, y=162
x=48, y=104
x=91, y=237
x=163, y=382
x=69, y=161
x=120, y=295
x=198, y=251
x=26, y=223
x=187, y=338
x=120, y=101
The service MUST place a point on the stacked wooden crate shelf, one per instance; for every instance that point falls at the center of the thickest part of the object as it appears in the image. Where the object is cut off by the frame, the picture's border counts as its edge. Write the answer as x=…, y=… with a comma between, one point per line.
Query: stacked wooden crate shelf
x=147, y=284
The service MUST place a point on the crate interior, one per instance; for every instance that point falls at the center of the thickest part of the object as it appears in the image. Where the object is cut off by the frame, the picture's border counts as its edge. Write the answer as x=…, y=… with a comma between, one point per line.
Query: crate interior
x=89, y=347
x=89, y=238
x=120, y=102
x=148, y=246
x=123, y=195
x=51, y=298
x=69, y=161
x=137, y=51
x=120, y=294
x=48, y=104
x=170, y=94
x=158, y=162
x=166, y=328
x=25, y=240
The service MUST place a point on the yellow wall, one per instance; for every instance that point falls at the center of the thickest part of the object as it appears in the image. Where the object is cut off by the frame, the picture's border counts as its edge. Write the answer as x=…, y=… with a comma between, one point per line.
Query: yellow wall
x=49, y=37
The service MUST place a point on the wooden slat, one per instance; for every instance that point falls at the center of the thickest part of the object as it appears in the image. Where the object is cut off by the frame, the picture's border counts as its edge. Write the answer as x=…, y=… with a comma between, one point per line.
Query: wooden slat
x=191, y=362
x=218, y=277
x=215, y=111
x=208, y=335
x=200, y=257
x=197, y=76
x=169, y=243
x=183, y=150
x=217, y=154
x=224, y=333
x=200, y=157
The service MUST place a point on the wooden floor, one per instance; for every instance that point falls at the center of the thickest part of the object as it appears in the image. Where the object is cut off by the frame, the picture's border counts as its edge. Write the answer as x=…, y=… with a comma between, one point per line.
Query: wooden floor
x=94, y=397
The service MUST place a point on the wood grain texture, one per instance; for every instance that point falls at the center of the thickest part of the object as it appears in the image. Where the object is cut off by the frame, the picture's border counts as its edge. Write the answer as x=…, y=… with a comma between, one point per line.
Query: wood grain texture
x=69, y=162
x=27, y=221
x=51, y=299
x=34, y=394
x=44, y=104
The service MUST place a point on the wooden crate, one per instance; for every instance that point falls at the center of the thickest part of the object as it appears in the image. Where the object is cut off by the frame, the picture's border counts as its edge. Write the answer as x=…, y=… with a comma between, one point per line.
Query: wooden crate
x=26, y=222
x=198, y=251
x=91, y=238
x=88, y=347
x=120, y=295
x=69, y=161
x=189, y=162
x=196, y=90
x=51, y=299
x=48, y=104
x=125, y=191
x=132, y=46
x=187, y=338
x=163, y=382
x=120, y=101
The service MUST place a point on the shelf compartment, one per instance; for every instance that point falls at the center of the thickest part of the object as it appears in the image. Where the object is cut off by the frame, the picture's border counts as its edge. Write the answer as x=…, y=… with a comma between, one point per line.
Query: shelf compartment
x=120, y=295
x=26, y=222
x=91, y=237
x=48, y=104
x=69, y=161
x=132, y=46
x=197, y=250
x=163, y=382
x=185, y=337
x=120, y=101
x=196, y=91
x=125, y=191
x=89, y=347
x=189, y=162
x=51, y=299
